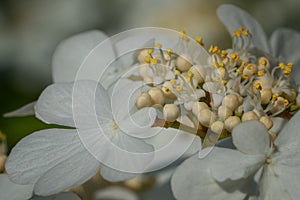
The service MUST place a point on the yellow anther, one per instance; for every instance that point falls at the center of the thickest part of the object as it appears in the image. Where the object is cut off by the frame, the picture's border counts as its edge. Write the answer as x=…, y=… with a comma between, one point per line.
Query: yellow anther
x=290, y=64
x=240, y=71
x=286, y=102
x=179, y=87
x=173, y=82
x=244, y=64
x=215, y=64
x=245, y=76
x=190, y=74
x=221, y=64
x=286, y=72
x=183, y=35
x=187, y=79
x=234, y=56
x=263, y=62
x=237, y=33
x=182, y=32
x=224, y=82
x=249, y=67
x=177, y=72
x=166, y=89
x=150, y=51
x=223, y=54
x=246, y=32
x=216, y=49
x=275, y=96
x=158, y=45
x=257, y=85
x=169, y=51
x=241, y=28
x=216, y=79
x=154, y=61
x=261, y=72
x=147, y=59
x=199, y=40
x=211, y=48
x=281, y=65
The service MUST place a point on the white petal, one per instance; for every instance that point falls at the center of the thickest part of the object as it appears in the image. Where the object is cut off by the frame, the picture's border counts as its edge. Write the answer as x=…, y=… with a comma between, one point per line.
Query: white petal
x=123, y=97
x=233, y=17
x=60, y=196
x=54, y=158
x=233, y=165
x=139, y=124
x=192, y=180
x=285, y=44
x=54, y=105
x=117, y=150
x=270, y=187
x=278, y=124
x=25, y=110
x=115, y=192
x=70, y=54
x=12, y=191
x=113, y=175
x=90, y=104
x=170, y=144
x=289, y=179
x=289, y=136
x=251, y=137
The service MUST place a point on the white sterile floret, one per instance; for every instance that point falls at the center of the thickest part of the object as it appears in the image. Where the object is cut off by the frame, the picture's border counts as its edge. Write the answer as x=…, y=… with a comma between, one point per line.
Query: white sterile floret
x=74, y=155
x=250, y=167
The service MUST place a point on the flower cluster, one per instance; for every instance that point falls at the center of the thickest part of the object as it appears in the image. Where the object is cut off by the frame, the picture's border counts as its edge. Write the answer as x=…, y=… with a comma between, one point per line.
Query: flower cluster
x=140, y=117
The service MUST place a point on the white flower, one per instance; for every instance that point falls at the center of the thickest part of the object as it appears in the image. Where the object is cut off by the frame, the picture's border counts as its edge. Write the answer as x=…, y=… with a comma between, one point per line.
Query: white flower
x=257, y=168
x=284, y=44
x=56, y=159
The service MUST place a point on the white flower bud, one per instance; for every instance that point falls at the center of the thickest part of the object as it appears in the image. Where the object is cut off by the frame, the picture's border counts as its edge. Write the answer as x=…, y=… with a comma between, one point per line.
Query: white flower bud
x=143, y=100
x=157, y=96
x=224, y=112
x=266, y=121
x=142, y=54
x=231, y=122
x=250, y=115
x=198, y=106
x=171, y=112
x=239, y=98
x=217, y=127
x=2, y=163
x=266, y=95
x=184, y=62
x=231, y=101
x=206, y=117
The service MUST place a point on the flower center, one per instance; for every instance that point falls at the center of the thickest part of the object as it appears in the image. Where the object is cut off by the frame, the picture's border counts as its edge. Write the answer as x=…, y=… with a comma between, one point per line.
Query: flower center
x=268, y=160
x=234, y=86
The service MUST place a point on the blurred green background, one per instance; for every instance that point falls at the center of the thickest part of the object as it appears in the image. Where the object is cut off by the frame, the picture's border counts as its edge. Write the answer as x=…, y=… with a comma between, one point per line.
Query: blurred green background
x=30, y=30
